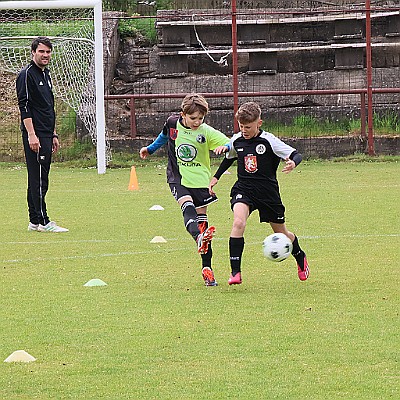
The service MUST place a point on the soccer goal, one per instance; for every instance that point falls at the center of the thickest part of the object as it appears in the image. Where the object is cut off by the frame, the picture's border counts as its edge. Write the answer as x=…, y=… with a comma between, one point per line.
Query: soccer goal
x=75, y=29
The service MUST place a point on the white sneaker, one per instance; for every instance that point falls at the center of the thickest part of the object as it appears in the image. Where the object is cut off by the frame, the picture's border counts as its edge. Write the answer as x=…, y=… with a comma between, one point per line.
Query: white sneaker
x=51, y=227
x=33, y=227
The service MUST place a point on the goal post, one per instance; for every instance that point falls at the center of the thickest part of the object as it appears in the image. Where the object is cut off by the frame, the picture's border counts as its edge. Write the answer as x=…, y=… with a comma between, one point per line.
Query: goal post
x=77, y=62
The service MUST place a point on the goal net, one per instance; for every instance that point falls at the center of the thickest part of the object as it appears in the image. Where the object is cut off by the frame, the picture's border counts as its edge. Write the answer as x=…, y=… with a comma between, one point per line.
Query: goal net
x=76, y=67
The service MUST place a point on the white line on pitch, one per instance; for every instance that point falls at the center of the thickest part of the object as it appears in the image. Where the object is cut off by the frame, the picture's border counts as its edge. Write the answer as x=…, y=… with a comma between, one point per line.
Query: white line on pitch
x=336, y=236
x=168, y=249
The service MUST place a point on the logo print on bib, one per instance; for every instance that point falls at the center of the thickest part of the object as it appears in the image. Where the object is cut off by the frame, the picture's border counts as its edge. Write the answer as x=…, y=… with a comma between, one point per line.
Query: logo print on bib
x=250, y=164
x=186, y=152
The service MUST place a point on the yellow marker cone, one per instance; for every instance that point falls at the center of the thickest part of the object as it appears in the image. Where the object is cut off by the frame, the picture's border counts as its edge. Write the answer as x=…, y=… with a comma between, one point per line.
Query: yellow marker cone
x=133, y=181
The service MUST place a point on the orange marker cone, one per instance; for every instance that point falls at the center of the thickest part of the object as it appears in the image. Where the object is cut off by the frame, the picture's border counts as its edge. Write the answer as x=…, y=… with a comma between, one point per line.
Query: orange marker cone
x=133, y=181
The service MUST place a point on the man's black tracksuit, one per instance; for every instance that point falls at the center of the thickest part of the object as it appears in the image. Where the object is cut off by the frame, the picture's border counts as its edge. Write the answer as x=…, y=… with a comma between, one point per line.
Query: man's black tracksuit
x=36, y=101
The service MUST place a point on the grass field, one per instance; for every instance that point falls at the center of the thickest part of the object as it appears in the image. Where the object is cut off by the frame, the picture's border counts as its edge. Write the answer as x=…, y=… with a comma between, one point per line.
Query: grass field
x=155, y=332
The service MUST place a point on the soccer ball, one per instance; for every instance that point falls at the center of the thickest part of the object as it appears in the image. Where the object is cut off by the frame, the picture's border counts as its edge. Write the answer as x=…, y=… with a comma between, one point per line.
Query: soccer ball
x=277, y=247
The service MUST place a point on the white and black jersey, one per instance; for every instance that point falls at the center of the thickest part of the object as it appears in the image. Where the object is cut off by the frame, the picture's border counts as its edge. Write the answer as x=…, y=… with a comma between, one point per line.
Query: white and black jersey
x=258, y=159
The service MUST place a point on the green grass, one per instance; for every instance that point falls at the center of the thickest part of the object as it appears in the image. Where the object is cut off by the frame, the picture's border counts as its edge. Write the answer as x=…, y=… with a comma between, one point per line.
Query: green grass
x=131, y=27
x=155, y=332
x=62, y=28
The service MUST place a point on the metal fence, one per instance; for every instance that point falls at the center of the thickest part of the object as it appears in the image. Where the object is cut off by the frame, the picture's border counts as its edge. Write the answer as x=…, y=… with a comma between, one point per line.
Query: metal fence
x=301, y=60
x=329, y=68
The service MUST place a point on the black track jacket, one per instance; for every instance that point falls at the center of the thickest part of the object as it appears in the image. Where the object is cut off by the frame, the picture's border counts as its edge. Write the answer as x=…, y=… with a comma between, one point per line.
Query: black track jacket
x=36, y=99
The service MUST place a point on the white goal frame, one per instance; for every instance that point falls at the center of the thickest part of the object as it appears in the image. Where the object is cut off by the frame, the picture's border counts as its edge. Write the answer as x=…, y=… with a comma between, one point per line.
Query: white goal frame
x=98, y=59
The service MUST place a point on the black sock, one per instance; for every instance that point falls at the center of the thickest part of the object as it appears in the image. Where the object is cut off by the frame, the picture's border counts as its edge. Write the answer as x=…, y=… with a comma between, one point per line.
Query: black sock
x=202, y=222
x=190, y=218
x=298, y=253
x=206, y=258
x=236, y=246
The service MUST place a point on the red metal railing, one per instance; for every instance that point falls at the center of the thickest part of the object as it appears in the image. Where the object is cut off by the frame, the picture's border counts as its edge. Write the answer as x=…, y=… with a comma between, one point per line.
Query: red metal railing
x=365, y=93
x=361, y=92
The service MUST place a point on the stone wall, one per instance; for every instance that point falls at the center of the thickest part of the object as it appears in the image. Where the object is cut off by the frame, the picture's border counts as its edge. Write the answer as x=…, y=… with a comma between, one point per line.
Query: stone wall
x=324, y=148
x=144, y=71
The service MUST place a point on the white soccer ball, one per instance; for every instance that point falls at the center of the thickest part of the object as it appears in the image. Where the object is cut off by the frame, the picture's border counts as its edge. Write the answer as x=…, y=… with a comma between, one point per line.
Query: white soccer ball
x=277, y=247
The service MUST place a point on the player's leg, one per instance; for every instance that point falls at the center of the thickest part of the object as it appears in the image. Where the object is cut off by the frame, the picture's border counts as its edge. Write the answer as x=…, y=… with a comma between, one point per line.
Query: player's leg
x=202, y=221
x=203, y=239
x=185, y=200
x=189, y=214
x=207, y=235
x=241, y=212
x=201, y=199
x=303, y=269
x=206, y=258
x=184, y=197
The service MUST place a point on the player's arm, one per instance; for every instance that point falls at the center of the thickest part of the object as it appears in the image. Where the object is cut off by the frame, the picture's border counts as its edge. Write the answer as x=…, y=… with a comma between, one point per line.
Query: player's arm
x=225, y=164
x=292, y=161
x=160, y=141
x=222, y=149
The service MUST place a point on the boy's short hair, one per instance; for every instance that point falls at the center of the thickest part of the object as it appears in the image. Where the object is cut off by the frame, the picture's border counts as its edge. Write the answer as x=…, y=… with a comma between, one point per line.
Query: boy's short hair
x=41, y=40
x=248, y=112
x=194, y=103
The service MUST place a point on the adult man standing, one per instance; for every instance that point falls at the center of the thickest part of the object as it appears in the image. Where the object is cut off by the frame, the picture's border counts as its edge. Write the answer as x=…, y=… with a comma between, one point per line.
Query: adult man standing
x=36, y=105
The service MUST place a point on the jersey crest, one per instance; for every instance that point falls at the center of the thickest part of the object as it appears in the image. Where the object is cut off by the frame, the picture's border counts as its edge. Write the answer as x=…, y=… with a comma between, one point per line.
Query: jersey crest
x=200, y=139
x=173, y=133
x=250, y=164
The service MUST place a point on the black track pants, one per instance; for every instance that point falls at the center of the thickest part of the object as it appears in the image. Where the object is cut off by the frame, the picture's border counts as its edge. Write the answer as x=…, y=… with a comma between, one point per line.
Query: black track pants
x=38, y=166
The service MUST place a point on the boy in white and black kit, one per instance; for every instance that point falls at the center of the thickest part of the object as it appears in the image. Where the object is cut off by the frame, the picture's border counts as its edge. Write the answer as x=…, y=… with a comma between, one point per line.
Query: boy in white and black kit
x=38, y=118
x=258, y=154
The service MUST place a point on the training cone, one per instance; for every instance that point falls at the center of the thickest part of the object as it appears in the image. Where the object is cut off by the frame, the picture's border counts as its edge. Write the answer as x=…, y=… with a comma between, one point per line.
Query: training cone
x=133, y=181
x=158, y=239
x=95, y=282
x=20, y=356
x=156, y=207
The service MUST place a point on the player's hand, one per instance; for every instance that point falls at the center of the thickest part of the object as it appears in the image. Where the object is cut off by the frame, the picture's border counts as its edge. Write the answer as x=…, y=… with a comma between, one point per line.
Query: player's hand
x=213, y=182
x=34, y=143
x=143, y=153
x=220, y=150
x=56, y=145
x=290, y=166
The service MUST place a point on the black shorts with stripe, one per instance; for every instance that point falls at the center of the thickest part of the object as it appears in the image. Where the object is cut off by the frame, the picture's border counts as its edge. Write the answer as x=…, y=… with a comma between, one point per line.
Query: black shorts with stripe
x=201, y=196
x=268, y=204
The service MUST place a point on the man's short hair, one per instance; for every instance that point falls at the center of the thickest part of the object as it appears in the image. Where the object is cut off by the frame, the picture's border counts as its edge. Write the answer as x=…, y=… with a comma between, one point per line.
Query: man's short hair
x=194, y=103
x=248, y=112
x=41, y=40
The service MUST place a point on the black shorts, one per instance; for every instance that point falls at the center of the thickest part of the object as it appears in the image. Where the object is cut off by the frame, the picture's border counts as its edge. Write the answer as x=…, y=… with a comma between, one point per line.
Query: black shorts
x=269, y=206
x=201, y=196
